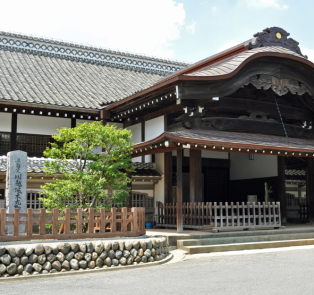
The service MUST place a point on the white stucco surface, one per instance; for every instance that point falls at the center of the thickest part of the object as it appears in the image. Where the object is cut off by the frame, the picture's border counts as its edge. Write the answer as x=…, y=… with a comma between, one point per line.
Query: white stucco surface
x=5, y=122
x=40, y=125
x=136, y=137
x=154, y=128
x=243, y=168
x=160, y=186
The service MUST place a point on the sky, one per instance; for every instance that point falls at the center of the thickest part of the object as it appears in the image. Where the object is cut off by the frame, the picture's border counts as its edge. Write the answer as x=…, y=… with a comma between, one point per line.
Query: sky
x=187, y=30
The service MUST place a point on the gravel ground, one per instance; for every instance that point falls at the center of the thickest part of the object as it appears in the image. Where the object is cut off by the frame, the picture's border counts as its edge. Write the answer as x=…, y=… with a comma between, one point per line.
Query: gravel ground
x=277, y=272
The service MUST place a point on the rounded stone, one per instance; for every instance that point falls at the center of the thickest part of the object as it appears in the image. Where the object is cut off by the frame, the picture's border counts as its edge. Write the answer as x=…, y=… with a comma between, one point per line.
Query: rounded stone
x=115, y=246
x=69, y=256
x=66, y=265
x=63, y=269
x=48, y=249
x=44, y=272
x=126, y=253
x=32, y=258
x=157, y=250
x=137, y=259
x=149, y=244
x=150, y=259
x=122, y=261
x=144, y=259
x=99, y=262
x=130, y=260
x=37, y=267
x=74, y=264
x=51, y=258
x=53, y=271
x=162, y=256
x=156, y=258
x=29, y=250
x=24, y=260
x=55, y=249
x=60, y=257
x=64, y=248
x=107, y=261
x=25, y=273
x=103, y=255
x=143, y=245
x=42, y=259
x=89, y=247
x=136, y=244
x=5, y=259
x=3, y=268
x=94, y=256
x=47, y=266
x=79, y=256
x=111, y=254
x=82, y=264
x=128, y=245
x=154, y=243
x=88, y=257
x=133, y=252
x=99, y=247
x=19, y=251
x=121, y=246
x=56, y=265
x=2, y=250
x=11, y=251
x=118, y=254
x=115, y=262
x=140, y=252
x=164, y=242
x=16, y=260
x=20, y=269
x=28, y=268
x=153, y=252
x=39, y=249
x=75, y=247
x=107, y=246
x=83, y=247
x=148, y=253
x=91, y=264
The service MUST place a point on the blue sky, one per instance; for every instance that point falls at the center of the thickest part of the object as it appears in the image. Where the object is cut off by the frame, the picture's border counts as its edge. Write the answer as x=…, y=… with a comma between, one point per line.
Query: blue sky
x=187, y=30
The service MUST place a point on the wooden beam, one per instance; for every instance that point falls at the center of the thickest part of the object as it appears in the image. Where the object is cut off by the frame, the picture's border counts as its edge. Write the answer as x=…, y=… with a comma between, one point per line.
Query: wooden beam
x=282, y=188
x=73, y=122
x=179, y=191
x=143, y=136
x=168, y=177
x=196, y=194
x=13, y=131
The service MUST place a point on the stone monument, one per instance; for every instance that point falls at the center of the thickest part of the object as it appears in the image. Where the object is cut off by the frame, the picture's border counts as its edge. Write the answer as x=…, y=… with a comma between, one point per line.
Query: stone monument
x=16, y=186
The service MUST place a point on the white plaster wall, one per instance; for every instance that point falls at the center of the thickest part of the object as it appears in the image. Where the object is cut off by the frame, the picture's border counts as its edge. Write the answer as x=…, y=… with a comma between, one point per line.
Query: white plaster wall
x=136, y=137
x=215, y=155
x=243, y=168
x=40, y=125
x=154, y=128
x=5, y=122
x=160, y=186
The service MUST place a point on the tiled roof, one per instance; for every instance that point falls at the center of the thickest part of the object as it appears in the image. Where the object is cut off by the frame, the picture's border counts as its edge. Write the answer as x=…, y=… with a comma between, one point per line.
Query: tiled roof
x=36, y=165
x=50, y=72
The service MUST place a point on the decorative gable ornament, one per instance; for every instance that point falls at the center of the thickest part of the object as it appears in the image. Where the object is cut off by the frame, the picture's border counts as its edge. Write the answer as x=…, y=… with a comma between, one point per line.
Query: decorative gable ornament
x=275, y=36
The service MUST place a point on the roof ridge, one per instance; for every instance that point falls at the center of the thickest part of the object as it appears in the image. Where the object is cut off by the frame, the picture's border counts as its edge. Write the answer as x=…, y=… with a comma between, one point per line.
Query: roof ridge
x=93, y=48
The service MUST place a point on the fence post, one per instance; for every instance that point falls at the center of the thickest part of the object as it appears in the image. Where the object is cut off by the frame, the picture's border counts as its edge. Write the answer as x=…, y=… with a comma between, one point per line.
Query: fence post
x=55, y=213
x=91, y=220
x=79, y=220
x=2, y=221
x=134, y=222
x=215, y=212
x=67, y=220
x=124, y=216
x=16, y=222
x=102, y=227
x=113, y=220
x=29, y=228
x=42, y=221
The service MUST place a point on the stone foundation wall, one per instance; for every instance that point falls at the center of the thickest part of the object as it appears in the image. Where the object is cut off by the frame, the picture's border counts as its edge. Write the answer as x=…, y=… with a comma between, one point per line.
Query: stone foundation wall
x=63, y=257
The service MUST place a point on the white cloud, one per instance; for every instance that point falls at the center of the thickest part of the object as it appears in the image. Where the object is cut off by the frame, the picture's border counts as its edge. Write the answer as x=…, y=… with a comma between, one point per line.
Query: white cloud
x=265, y=4
x=228, y=45
x=308, y=52
x=142, y=26
x=191, y=28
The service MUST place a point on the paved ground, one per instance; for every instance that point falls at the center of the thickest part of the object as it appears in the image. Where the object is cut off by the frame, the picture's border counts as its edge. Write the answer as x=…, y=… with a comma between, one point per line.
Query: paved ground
x=264, y=272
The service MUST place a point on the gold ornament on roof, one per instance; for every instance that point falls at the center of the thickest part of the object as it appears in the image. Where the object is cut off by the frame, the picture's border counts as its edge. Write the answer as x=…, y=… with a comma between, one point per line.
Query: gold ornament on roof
x=278, y=35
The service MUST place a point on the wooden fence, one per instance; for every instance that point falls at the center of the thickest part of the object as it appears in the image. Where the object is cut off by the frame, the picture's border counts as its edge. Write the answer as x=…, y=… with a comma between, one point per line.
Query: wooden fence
x=124, y=222
x=221, y=216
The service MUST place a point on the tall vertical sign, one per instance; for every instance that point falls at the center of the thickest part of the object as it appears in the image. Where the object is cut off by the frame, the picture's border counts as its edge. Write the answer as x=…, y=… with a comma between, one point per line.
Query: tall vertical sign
x=16, y=186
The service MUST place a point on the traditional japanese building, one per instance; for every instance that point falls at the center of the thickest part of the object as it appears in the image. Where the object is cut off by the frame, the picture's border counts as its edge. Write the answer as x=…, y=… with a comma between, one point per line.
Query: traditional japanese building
x=234, y=125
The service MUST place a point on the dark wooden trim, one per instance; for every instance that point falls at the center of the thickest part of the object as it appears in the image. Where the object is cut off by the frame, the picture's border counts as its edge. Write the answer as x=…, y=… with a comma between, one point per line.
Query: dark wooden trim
x=179, y=191
x=196, y=194
x=310, y=187
x=168, y=177
x=73, y=122
x=13, y=131
x=282, y=188
x=143, y=136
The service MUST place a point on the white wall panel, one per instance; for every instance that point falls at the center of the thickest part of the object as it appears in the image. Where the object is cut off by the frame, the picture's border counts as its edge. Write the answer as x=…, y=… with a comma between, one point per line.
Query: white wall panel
x=215, y=155
x=154, y=127
x=160, y=186
x=136, y=133
x=40, y=125
x=243, y=168
x=5, y=122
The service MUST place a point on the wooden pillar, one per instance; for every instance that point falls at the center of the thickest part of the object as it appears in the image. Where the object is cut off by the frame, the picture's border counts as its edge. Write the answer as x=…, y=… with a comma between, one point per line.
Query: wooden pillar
x=13, y=145
x=143, y=136
x=196, y=183
x=282, y=188
x=104, y=116
x=168, y=177
x=310, y=188
x=179, y=191
x=73, y=122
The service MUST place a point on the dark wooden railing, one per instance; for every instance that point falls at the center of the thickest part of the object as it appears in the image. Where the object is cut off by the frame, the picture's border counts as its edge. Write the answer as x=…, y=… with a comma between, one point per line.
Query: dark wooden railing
x=5, y=141
x=221, y=216
x=124, y=222
x=33, y=143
